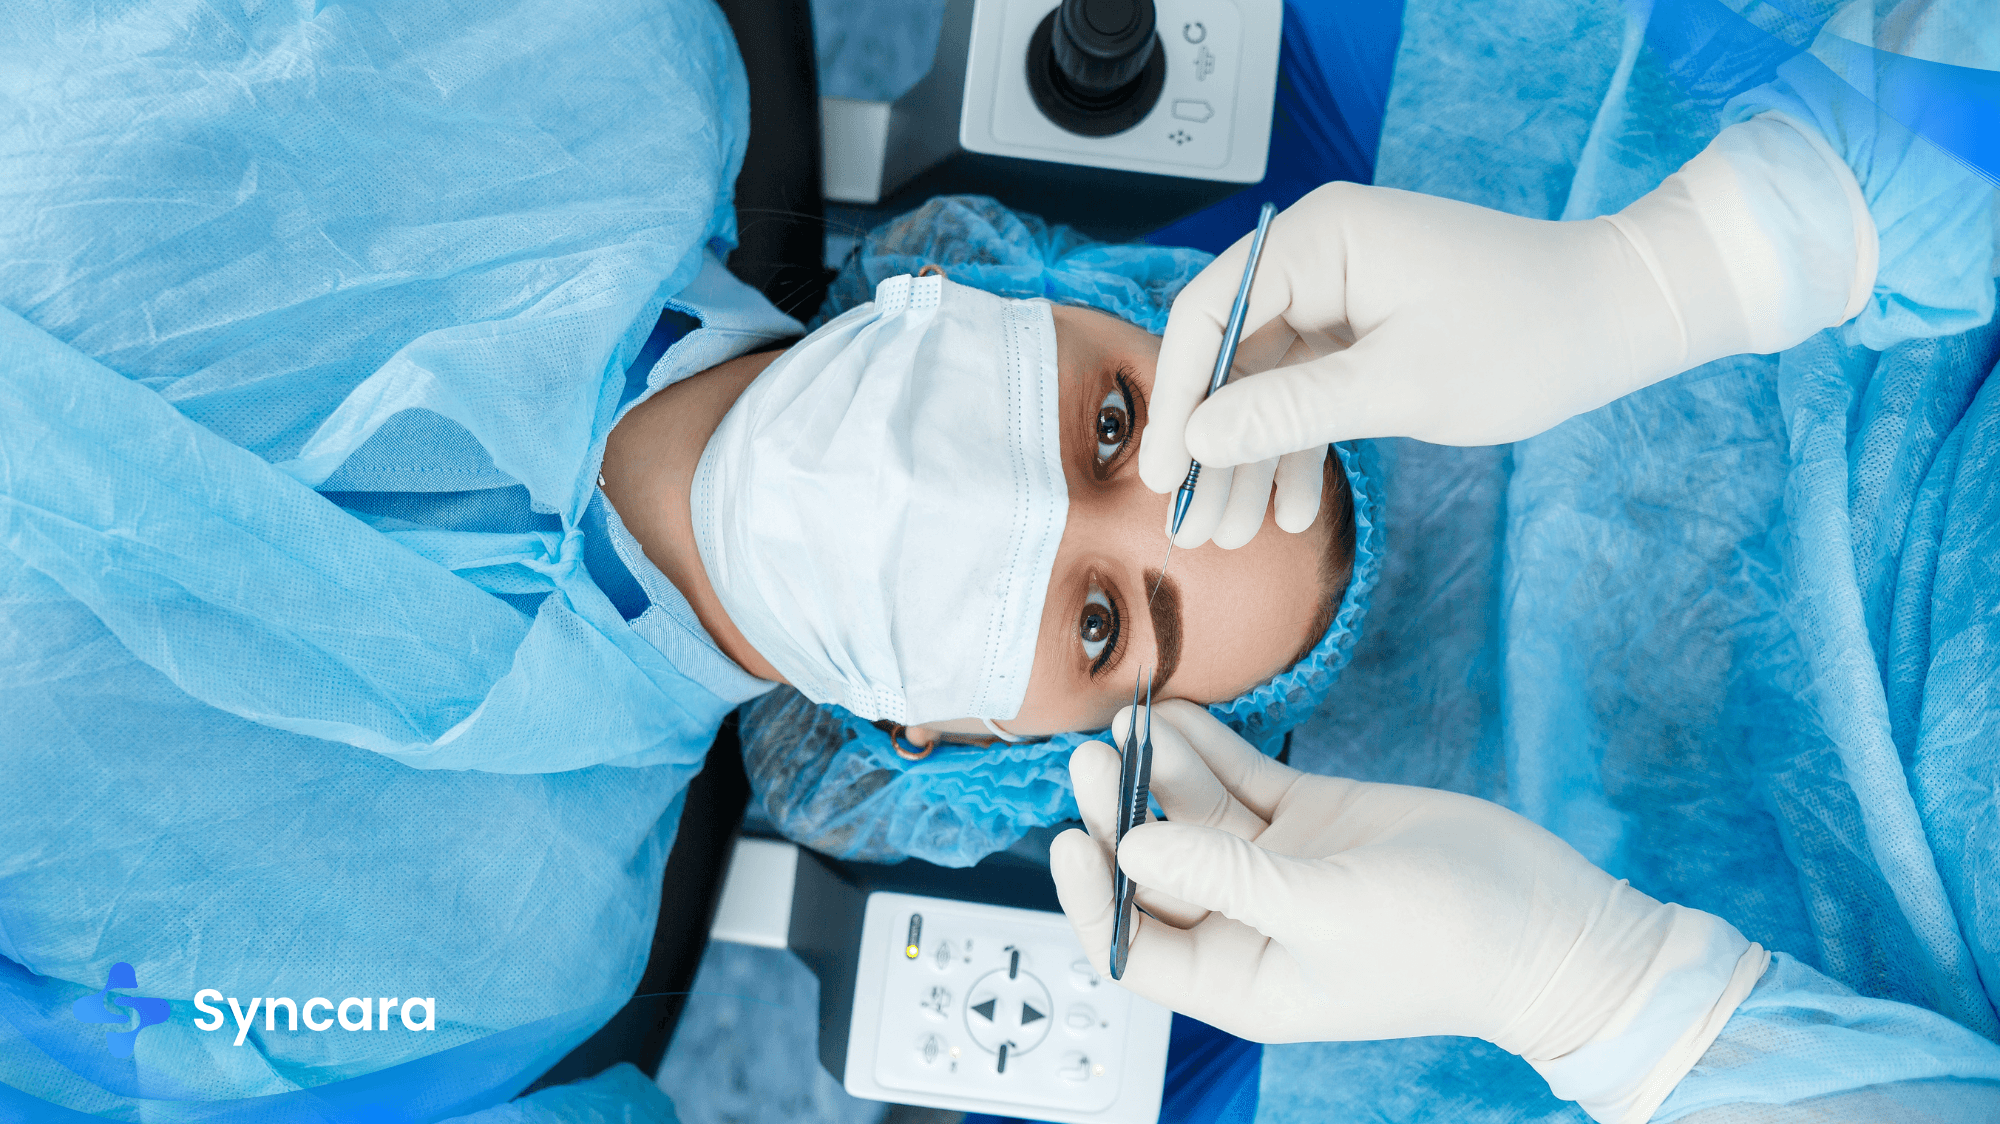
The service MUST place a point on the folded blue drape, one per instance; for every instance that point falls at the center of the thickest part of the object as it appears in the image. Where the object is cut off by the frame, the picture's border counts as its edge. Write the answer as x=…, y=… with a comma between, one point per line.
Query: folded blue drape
x=254, y=742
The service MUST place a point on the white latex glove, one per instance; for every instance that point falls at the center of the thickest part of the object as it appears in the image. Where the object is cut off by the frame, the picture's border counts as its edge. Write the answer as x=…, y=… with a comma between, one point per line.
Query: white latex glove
x=1387, y=313
x=1345, y=910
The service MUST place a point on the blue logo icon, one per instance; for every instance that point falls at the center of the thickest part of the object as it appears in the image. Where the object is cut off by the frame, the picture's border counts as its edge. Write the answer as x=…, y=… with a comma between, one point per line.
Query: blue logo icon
x=101, y=1006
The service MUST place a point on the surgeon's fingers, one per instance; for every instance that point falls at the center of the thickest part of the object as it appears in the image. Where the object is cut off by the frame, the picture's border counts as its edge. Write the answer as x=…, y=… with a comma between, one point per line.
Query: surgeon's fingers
x=1298, y=259
x=1223, y=972
x=1224, y=873
x=1093, y=774
x=1187, y=789
x=1083, y=886
x=1249, y=499
x=1337, y=397
x=1300, y=479
x=1211, y=498
x=1255, y=780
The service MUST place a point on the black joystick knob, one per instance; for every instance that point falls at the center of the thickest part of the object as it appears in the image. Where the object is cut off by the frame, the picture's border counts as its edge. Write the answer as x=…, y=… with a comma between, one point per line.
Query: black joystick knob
x=1102, y=45
x=1096, y=67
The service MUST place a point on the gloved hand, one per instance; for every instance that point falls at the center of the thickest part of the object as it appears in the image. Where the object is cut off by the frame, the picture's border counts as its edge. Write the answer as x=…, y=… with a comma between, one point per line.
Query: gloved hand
x=1344, y=910
x=1378, y=313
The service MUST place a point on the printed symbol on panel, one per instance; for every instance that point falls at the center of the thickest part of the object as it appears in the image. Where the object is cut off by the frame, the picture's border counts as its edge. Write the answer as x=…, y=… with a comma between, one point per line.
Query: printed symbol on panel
x=1193, y=31
x=1204, y=63
x=943, y=956
x=1192, y=109
x=1179, y=136
x=1080, y=1018
x=936, y=1002
x=1075, y=1067
x=931, y=1049
x=1029, y=1014
x=985, y=1009
x=1082, y=976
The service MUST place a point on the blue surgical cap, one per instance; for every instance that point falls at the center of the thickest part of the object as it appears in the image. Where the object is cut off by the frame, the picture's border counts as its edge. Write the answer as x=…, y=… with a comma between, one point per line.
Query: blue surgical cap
x=835, y=782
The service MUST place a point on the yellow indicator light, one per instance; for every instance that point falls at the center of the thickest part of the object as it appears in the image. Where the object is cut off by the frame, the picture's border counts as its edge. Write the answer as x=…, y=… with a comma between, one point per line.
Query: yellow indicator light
x=910, y=946
x=910, y=951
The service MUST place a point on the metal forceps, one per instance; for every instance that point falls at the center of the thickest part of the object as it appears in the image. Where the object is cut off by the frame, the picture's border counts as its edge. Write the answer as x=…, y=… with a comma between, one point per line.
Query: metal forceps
x=1225, y=357
x=1135, y=780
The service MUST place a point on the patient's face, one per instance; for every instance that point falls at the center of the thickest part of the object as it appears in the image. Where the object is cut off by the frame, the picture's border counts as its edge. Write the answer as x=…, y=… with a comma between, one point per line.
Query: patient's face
x=1224, y=621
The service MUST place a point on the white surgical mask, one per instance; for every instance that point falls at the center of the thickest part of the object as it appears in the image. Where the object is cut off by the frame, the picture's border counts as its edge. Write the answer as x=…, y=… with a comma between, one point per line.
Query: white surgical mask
x=879, y=512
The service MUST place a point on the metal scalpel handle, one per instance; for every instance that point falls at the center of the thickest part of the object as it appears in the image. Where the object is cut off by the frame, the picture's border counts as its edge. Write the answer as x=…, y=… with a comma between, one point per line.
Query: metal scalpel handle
x=1135, y=780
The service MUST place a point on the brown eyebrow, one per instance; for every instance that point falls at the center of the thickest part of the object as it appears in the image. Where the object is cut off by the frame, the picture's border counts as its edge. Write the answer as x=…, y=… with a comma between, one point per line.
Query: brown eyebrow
x=1165, y=608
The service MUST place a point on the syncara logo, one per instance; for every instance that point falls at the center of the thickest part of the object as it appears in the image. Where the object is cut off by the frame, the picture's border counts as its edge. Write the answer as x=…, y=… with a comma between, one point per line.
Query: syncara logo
x=101, y=1006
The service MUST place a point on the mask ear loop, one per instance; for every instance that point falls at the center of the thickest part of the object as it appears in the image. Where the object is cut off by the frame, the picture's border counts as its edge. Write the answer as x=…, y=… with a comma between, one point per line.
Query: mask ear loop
x=930, y=269
x=912, y=752
x=1002, y=734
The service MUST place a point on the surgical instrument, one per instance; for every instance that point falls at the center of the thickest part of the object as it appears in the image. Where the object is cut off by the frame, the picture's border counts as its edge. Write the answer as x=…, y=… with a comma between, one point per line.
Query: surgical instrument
x=1224, y=358
x=1135, y=779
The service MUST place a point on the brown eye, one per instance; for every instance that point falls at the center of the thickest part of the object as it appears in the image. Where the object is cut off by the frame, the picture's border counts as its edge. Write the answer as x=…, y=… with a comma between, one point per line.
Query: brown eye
x=1097, y=626
x=1114, y=425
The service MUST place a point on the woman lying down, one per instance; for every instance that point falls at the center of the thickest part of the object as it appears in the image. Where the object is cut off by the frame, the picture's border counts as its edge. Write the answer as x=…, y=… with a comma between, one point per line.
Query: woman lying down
x=924, y=515
x=927, y=512
x=332, y=672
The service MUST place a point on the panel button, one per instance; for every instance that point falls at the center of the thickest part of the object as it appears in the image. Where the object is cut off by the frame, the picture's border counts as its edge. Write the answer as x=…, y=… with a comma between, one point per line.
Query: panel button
x=1014, y=1012
x=1080, y=1018
x=1193, y=109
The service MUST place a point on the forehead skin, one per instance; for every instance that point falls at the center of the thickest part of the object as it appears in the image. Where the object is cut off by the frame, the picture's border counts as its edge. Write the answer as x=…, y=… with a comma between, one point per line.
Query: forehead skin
x=1244, y=612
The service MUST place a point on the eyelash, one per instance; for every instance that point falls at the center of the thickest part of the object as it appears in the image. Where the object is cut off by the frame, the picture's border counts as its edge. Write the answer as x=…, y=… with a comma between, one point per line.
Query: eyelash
x=1112, y=644
x=1125, y=398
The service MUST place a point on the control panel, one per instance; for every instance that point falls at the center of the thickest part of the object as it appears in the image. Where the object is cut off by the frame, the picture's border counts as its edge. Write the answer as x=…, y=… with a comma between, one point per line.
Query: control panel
x=985, y=1008
x=1211, y=117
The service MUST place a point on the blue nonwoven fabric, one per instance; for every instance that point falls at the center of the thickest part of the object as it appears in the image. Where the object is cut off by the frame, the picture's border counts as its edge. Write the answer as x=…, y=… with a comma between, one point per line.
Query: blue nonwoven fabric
x=263, y=239
x=831, y=780
x=990, y=246
x=1732, y=636
x=619, y=1095
x=263, y=743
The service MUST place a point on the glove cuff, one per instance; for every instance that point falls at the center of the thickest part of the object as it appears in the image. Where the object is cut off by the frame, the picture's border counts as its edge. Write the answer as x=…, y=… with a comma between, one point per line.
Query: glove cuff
x=1675, y=1004
x=1758, y=242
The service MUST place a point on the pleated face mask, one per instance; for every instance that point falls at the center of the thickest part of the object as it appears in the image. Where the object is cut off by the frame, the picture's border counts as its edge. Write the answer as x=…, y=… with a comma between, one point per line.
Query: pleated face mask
x=879, y=512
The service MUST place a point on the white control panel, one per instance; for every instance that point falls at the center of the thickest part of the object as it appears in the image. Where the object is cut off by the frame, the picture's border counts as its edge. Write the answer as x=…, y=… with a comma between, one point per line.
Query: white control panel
x=983, y=1008
x=1213, y=118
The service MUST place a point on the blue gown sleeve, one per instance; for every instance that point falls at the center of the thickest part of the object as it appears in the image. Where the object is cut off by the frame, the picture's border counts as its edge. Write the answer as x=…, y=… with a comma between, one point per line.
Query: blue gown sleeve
x=1803, y=1047
x=1910, y=100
